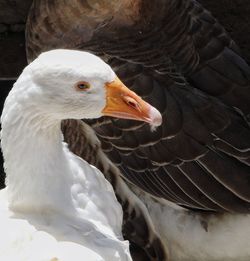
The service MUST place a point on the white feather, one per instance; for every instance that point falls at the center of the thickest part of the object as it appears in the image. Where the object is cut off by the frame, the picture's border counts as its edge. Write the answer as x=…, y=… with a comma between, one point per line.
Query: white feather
x=193, y=236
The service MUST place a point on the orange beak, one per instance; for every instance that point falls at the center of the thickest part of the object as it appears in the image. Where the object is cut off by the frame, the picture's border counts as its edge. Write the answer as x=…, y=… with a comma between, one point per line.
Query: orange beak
x=123, y=103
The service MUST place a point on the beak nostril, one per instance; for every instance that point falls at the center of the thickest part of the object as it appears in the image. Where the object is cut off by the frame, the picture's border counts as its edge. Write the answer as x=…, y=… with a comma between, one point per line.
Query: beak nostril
x=131, y=102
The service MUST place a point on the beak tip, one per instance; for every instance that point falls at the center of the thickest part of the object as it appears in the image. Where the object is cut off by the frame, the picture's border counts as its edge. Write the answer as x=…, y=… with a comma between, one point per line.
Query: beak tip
x=155, y=116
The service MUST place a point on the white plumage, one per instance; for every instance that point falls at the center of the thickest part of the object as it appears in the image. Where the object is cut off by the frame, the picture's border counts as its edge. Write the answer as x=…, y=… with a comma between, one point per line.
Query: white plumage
x=193, y=236
x=56, y=206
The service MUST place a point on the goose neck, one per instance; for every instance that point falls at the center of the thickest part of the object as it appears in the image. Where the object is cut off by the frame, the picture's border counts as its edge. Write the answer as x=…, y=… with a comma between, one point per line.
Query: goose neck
x=37, y=164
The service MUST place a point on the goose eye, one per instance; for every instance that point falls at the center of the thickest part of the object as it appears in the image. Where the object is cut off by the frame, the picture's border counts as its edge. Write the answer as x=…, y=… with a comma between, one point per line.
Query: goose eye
x=82, y=86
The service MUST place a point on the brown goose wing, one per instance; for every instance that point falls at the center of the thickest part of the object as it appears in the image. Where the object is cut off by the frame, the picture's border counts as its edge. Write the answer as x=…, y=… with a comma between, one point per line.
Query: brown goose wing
x=198, y=158
x=185, y=64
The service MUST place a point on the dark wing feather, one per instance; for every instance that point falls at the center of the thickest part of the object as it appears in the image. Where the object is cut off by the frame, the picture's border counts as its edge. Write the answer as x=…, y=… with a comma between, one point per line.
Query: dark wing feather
x=180, y=59
x=185, y=165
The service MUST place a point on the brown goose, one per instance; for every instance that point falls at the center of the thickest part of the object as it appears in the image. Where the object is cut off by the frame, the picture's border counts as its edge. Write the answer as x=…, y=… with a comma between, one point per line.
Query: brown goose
x=181, y=60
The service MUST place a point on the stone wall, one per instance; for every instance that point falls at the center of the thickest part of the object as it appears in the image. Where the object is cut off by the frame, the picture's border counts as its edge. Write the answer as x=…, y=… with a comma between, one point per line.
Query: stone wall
x=14, y=12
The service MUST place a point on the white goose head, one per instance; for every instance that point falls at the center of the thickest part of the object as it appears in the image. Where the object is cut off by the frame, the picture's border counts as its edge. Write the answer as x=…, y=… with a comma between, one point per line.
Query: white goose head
x=45, y=181
x=59, y=84
x=74, y=84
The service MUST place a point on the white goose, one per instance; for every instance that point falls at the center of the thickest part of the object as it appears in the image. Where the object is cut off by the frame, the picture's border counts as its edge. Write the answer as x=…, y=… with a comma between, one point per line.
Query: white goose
x=56, y=206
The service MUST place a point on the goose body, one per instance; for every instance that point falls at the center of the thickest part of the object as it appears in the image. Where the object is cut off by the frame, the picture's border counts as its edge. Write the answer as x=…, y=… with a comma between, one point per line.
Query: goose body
x=56, y=206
